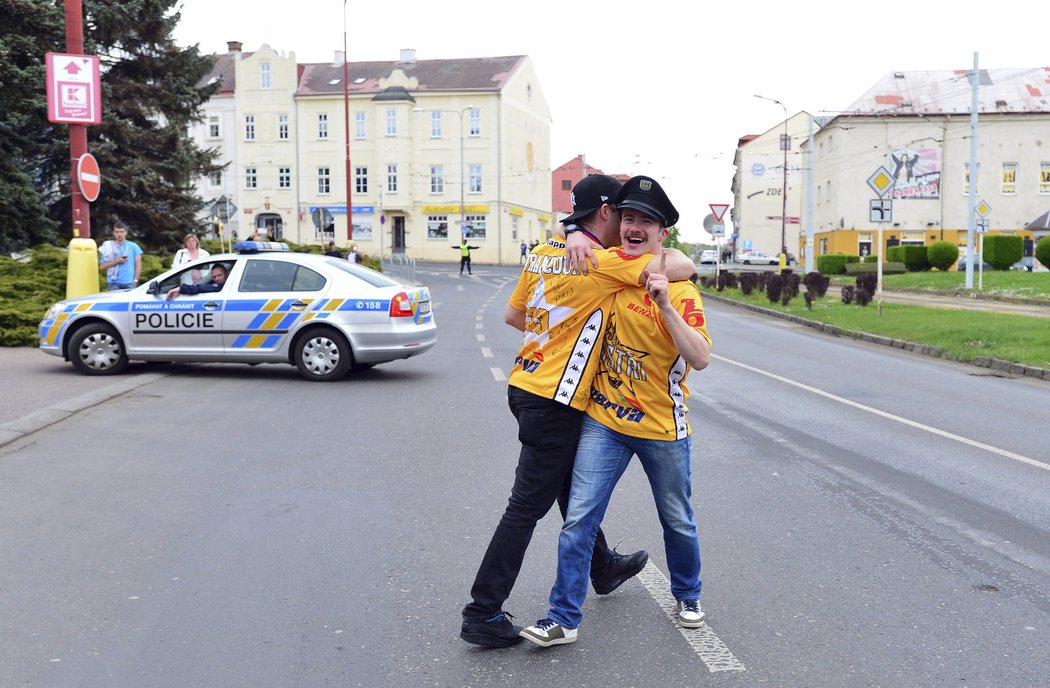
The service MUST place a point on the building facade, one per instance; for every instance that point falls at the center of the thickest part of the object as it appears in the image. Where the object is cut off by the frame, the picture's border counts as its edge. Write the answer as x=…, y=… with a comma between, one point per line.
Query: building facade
x=438, y=149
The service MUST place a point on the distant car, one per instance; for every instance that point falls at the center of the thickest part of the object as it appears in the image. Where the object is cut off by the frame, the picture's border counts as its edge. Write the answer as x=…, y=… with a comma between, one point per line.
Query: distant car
x=757, y=258
x=708, y=256
x=1026, y=263
x=977, y=265
x=324, y=315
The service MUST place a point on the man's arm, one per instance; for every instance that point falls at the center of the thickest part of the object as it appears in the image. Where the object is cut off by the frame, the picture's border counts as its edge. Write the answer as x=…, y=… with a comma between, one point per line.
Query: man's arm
x=138, y=267
x=514, y=317
x=580, y=250
x=677, y=266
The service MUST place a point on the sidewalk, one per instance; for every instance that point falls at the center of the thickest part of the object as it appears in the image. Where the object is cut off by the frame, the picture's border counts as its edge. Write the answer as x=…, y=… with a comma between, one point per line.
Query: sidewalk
x=41, y=390
x=930, y=300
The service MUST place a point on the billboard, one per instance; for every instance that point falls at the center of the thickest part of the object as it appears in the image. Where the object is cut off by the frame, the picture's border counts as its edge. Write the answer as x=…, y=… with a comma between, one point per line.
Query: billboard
x=916, y=172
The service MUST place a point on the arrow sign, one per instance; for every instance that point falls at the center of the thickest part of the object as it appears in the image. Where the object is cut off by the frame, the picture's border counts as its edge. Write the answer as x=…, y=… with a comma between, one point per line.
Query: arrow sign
x=719, y=209
x=88, y=177
x=73, y=92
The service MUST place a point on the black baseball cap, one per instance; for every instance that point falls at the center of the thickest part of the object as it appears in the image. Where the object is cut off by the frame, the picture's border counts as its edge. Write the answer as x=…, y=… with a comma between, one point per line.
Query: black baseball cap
x=590, y=193
x=646, y=194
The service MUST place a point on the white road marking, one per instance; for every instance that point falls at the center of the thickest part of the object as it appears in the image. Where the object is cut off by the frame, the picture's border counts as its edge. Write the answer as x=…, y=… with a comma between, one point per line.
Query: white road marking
x=479, y=318
x=481, y=337
x=498, y=375
x=479, y=326
x=708, y=646
x=486, y=352
x=904, y=421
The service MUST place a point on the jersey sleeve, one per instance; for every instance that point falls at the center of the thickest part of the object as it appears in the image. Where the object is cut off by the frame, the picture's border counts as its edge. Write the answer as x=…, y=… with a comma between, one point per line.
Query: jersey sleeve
x=686, y=299
x=520, y=296
x=616, y=269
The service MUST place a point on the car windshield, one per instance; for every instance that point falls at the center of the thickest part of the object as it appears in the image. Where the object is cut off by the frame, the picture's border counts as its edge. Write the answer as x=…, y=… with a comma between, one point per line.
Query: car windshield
x=376, y=279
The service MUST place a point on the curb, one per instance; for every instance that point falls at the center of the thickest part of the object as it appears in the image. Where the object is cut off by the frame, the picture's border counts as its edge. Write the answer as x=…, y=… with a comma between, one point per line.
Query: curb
x=925, y=349
x=38, y=420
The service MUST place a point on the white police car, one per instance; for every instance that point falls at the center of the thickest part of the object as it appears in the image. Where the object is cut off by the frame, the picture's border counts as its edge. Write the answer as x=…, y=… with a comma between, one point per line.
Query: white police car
x=321, y=314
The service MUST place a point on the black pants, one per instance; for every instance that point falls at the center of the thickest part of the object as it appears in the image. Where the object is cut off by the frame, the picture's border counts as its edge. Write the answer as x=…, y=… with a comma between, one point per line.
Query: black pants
x=548, y=432
x=465, y=260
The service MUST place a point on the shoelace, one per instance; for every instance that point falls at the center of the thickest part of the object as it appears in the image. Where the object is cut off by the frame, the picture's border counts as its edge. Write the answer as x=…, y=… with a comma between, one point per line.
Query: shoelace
x=546, y=624
x=691, y=606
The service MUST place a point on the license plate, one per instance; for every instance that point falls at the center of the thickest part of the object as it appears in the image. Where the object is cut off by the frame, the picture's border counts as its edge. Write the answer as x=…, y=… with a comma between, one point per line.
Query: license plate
x=424, y=307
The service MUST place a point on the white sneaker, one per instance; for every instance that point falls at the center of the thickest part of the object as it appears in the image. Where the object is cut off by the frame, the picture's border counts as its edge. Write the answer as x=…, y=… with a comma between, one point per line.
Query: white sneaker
x=689, y=613
x=548, y=632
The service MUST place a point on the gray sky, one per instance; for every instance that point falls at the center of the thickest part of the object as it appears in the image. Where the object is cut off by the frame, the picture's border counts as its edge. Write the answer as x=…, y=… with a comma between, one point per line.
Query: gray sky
x=657, y=87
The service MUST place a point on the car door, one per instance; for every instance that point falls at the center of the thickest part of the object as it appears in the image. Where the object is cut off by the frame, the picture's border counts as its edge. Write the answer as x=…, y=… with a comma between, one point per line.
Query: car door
x=186, y=327
x=271, y=298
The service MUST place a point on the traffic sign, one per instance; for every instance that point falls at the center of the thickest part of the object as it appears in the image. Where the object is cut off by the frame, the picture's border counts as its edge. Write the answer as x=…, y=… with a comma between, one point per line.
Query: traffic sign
x=982, y=226
x=881, y=210
x=719, y=210
x=718, y=230
x=89, y=179
x=983, y=208
x=882, y=181
x=73, y=92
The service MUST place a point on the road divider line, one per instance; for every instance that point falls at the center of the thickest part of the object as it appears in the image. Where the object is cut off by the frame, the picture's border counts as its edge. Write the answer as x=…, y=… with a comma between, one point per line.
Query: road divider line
x=708, y=646
x=498, y=375
x=889, y=416
x=486, y=352
x=481, y=337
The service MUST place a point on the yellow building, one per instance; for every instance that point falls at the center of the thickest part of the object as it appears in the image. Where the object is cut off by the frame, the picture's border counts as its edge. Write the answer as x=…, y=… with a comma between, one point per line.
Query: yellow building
x=438, y=149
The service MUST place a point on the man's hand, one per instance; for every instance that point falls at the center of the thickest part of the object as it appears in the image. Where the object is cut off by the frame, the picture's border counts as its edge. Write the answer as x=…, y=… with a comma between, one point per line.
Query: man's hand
x=172, y=293
x=579, y=251
x=656, y=284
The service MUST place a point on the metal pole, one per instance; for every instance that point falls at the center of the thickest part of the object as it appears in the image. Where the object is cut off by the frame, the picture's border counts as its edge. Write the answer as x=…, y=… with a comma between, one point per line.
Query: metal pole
x=785, y=144
x=809, y=200
x=346, y=123
x=972, y=196
x=77, y=132
x=462, y=178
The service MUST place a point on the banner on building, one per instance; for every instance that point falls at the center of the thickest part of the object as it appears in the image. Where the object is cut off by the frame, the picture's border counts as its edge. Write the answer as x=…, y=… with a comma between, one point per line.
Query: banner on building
x=916, y=172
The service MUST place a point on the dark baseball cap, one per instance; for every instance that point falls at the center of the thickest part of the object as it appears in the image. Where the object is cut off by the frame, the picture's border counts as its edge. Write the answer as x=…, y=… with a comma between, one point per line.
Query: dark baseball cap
x=646, y=194
x=590, y=193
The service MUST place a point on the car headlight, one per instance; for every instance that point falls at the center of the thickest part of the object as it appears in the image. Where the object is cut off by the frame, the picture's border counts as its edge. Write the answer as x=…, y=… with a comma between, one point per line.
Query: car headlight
x=53, y=311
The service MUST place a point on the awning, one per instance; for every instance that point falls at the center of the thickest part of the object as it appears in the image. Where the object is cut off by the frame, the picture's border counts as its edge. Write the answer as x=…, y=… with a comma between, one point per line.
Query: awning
x=1040, y=224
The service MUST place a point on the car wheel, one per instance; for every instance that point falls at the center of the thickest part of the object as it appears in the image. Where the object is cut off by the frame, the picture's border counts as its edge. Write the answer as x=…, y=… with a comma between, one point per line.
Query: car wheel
x=747, y=262
x=97, y=349
x=323, y=355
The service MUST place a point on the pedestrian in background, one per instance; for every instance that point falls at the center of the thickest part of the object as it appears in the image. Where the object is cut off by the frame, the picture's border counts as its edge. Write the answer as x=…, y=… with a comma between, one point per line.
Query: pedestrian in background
x=464, y=255
x=121, y=259
x=333, y=251
x=524, y=251
x=191, y=250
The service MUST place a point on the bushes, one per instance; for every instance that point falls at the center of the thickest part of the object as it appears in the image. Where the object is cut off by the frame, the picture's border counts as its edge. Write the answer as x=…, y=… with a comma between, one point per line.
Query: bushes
x=942, y=255
x=835, y=263
x=1001, y=251
x=816, y=284
x=914, y=257
x=1042, y=251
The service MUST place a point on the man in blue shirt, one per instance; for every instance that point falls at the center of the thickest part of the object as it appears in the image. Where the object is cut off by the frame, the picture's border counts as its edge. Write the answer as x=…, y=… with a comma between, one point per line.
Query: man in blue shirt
x=121, y=259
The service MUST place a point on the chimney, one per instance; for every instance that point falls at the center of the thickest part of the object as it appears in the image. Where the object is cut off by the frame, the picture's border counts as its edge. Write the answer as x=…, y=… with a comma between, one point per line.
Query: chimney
x=408, y=56
x=233, y=46
x=338, y=57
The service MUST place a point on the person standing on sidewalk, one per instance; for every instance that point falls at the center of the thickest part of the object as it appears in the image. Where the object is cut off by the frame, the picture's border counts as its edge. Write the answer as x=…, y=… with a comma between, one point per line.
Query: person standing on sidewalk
x=121, y=259
x=563, y=314
x=637, y=407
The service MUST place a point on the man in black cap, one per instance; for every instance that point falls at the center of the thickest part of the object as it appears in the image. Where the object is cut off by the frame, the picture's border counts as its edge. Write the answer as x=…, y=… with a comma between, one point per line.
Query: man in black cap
x=636, y=406
x=563, y=315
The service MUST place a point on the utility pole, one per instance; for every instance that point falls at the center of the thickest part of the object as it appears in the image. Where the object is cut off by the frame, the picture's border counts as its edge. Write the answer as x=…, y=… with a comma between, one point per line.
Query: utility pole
x=971, y=201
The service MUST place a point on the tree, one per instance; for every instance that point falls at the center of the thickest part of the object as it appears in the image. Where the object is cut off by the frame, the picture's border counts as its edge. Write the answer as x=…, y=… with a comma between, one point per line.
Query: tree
x=149, y=99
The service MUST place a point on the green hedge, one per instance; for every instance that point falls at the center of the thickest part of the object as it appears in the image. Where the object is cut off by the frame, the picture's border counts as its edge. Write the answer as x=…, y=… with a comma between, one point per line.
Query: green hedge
x=834, y=263
x=1042, y=251
x=914, y=257
x=890, y=268
x=1001, y=251
x=942, y=255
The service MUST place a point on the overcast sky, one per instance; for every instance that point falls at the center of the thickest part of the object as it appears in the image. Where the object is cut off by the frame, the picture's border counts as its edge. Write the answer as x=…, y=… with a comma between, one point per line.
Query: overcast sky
x=657, y=87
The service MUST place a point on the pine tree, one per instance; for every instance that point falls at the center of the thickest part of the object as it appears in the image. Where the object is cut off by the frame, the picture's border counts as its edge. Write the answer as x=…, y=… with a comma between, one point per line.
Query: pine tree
x=149, y=99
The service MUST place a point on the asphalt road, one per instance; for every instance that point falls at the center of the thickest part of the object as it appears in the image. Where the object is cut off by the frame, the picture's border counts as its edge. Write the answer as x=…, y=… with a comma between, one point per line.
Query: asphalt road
x=868, y=517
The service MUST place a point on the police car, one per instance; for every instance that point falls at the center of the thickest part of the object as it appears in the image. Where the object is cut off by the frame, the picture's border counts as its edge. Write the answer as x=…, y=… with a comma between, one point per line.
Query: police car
x=322, y=314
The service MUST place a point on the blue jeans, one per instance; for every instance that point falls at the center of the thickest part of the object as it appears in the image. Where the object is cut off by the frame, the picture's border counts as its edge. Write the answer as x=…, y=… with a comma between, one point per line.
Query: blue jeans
x=601, y=459
x=114, y=286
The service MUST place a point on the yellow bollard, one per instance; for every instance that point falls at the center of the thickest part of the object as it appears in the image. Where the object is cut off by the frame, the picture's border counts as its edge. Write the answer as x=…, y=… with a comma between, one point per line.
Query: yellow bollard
x=783, y=261
x=82, y=268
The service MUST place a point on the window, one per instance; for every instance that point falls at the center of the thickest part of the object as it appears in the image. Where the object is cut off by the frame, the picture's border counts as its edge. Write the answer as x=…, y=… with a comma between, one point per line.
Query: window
x=215, y=179
x=251, y=178
x=264, y=75
x=437, y=179
x=282, y=127
x=1044, y=177
x=566, y=185
x=913, y=238
x=272, y=275
x=324, y=180
x=976, y=181
x=391, y=122
x=361, y=180
x=1009, y=178
x=474, y=175
x=474, y=122
x=214, y=132
x=437, y=226
x=435, y=125
x=249, y=127
x=864, y=244
x=475, y=226
x=322, y=125
x=359, y=125
x=284, y=177
x=391, y=178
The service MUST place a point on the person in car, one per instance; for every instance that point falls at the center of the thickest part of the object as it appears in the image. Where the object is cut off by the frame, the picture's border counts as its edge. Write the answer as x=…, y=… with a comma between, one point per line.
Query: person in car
x=219, y=273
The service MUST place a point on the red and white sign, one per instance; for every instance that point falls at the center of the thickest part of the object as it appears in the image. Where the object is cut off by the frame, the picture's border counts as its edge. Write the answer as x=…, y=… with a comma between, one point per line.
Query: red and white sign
x=73, y=92
x=88, y=177
x=719, y=209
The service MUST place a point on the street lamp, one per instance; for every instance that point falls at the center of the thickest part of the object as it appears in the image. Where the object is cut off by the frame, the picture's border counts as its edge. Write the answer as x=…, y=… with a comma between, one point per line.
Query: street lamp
x=346, y=124
x=462, y=165
x=785, y=144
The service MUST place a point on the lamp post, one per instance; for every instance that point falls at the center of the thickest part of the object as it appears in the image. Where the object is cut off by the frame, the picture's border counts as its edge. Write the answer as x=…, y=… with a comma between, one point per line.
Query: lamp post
x=346, y=124
x=462, y=164
x=785, y=145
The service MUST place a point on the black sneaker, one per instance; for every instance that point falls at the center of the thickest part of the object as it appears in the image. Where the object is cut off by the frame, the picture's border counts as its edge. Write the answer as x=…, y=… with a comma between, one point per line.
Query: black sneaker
x=495, y=632
x=620, y=568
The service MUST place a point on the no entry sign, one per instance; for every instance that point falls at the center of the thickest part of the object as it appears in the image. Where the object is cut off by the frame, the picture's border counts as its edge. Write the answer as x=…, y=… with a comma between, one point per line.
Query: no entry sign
x=88, y=177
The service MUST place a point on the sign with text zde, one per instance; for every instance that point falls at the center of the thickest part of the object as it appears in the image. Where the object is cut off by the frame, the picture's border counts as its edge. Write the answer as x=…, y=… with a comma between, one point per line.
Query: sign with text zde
x=73, y=93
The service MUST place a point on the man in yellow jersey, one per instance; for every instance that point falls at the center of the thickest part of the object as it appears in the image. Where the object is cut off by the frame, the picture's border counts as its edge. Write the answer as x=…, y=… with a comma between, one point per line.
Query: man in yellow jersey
x=563, y=315
x=638, y=407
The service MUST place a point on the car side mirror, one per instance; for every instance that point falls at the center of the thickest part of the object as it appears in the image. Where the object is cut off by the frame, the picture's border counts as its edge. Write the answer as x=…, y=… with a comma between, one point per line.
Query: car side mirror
x=154, y=288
